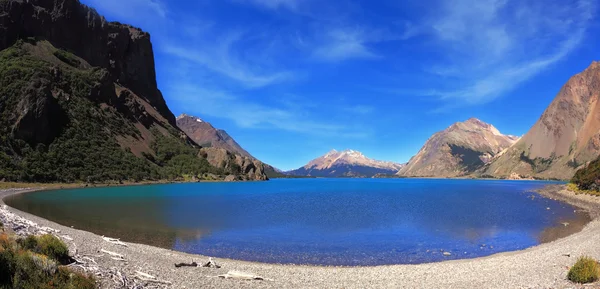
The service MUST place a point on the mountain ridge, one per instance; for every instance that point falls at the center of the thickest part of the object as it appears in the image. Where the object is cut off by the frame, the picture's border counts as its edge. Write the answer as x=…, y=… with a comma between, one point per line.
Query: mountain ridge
x=346, y=163
x=564, y=138
x=458, y=150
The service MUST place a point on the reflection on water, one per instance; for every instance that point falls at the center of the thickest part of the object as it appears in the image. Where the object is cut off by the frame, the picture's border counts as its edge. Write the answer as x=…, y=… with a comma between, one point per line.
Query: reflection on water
x=318, y=221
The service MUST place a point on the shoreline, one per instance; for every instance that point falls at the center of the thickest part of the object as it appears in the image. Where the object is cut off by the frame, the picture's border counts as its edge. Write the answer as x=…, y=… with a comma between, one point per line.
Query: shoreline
x=542, y=266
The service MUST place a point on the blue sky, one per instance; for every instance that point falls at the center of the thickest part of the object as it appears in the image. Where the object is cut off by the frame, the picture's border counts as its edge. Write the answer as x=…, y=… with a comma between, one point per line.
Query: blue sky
x=293, y=79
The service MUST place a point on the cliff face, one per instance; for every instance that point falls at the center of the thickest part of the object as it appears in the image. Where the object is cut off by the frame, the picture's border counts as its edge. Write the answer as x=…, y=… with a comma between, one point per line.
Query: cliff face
x=566, y=136
x=125, y=51
x=79, y=101
x=348, y=163
x=458, y=150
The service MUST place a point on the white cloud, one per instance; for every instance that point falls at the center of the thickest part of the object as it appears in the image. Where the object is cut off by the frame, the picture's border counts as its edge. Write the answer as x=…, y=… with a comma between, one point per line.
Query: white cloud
x=489, y=47
x=342, y=44
x=220, y=56
x=249, y=114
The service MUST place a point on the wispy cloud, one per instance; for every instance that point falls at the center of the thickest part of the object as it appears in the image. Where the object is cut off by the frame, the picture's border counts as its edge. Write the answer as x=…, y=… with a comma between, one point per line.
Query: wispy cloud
x=274, y=4
x=249, y=114
x=221, y=57
x=342, y=44
x=359, y=109
x=489, y=47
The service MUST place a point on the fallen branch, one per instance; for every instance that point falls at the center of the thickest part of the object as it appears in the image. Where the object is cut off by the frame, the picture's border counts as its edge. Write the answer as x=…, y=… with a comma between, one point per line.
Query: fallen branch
x=193, y=264
x=145, y=275
x=149, y=278
x=211, y=264
x=66, y=237
x=243, y=276
x=116, y=255
x=114, y=241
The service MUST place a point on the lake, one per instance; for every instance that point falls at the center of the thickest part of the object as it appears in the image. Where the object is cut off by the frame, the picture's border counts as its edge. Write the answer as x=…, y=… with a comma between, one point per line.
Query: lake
x=342, y=222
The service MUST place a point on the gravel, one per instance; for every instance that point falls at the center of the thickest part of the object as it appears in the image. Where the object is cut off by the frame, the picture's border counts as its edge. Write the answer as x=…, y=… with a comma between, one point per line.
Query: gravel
x=543, y=266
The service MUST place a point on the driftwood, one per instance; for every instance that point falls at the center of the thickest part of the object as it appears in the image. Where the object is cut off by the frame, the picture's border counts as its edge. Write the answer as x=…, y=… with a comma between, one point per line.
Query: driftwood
x=114, y=241
x=193, y=264
x=211, y=264
x=116, y=256
x=149, y=278
x=242, y=276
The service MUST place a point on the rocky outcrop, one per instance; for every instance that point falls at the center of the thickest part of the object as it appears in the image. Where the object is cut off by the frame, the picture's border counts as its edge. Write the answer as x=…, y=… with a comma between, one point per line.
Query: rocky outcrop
x=458, y=150
x=125, y=51
x=348, y=163
x=205, y=135
x=245, y=167
x=565, y=138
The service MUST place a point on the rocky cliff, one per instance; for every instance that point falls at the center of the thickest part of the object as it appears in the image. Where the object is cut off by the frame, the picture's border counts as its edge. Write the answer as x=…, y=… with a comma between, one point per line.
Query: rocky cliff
x=566, y=137
x=79, y=101
x=458, y=150
x=348, y=163
x=205, y=135
x=124, y=51
x=242, y=167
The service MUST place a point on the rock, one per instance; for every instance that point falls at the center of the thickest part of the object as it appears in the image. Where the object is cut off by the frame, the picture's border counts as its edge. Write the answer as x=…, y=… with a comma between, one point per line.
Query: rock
x=447, y=254
x=247, y=168
x=230, y=178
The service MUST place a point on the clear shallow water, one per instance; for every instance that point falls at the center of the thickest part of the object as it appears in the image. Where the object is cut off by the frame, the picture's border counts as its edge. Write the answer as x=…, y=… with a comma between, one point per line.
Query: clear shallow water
x=315, y=221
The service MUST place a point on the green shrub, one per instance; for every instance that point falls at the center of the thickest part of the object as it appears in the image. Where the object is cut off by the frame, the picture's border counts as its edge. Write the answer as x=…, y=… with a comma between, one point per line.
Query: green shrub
x=25, y=268
x=67, y=58
x=54, y=248
x=585, y=178
x=48, y=245
x=585, y=270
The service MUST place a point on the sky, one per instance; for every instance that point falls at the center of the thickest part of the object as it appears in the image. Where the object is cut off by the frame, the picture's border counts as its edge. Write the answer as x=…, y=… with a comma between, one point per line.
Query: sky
x=292, y=79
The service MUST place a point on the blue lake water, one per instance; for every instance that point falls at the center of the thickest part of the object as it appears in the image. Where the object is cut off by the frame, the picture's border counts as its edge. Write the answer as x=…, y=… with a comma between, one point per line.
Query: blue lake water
x=316, y=221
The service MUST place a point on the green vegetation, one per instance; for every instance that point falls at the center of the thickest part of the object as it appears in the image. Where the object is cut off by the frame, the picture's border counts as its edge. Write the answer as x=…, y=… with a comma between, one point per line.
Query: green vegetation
x=538, y=164
x=179, y=160
x=586, y=270
x=67, y=57
x=21, y=267
x=587, y=179
x=47, y=245
x=55, y=127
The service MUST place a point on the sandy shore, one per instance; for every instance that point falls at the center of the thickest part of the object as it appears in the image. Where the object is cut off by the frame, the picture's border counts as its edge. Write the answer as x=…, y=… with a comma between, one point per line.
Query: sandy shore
x=543, y=266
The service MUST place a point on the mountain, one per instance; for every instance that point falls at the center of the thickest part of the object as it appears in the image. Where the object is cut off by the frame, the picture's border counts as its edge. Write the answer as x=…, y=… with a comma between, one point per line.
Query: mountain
x=566, y=136
x=458, y=150
x=221, y=150
x=205, y=135
x=79, y=100
x=348, y=163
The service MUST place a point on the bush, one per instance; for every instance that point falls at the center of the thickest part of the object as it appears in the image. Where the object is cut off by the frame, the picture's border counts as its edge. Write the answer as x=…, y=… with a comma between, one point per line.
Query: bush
x=21, y=267
x=47, y=245
x=585, y=270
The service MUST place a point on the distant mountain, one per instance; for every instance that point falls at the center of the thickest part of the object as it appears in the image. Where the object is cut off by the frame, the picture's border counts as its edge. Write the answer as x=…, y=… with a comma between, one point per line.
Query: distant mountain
x=222, y=151
x=458, y=150
x=348, y=163
x=205, y=135
x=566, y=136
